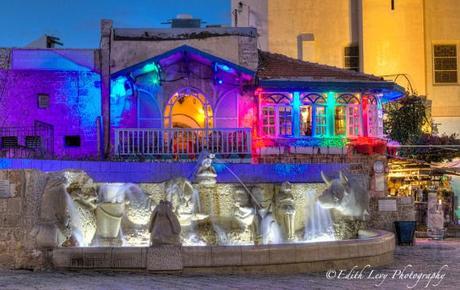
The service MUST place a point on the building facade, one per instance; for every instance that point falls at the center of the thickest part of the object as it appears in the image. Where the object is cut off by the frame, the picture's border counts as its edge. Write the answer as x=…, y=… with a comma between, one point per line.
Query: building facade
x=413, y=42
x=174, y=93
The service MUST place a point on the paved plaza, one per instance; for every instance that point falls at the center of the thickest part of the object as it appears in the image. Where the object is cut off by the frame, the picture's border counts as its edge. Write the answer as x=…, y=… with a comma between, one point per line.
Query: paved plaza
x=413, y=268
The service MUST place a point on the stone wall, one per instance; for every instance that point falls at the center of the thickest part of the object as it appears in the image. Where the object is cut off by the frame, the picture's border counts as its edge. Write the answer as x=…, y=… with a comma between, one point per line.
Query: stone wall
x=19, y=212
x=36, y=214
x=384, y=219
x=131, y=46
x=5, y=54
x=74, y=105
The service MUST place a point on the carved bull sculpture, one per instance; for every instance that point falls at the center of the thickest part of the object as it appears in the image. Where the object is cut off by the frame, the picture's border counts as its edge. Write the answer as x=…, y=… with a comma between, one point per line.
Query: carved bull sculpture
x=345, y=195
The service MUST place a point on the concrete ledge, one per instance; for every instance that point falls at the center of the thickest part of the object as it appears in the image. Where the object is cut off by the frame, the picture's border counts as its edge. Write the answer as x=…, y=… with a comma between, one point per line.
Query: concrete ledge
x=376, y=249
x=154, y=172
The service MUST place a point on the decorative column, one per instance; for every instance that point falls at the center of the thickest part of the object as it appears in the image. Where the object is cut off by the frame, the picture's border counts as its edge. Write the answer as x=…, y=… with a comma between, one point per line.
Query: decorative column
x=106, y=35
x=296, y=114
x=330, y=112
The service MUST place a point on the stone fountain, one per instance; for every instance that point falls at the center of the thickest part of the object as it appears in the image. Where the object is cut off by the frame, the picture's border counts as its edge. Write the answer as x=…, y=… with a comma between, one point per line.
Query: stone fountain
x=199, y=224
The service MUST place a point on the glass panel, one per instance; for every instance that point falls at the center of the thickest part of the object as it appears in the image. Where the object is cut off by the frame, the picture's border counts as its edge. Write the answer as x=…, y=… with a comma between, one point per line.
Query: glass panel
x=305, y=121
x=445, y=64
x=320, y=120
x=340, y=119
x=372, y=120
x=445, y=50
x=268, y=121
x=353, y=120
x=285, y=120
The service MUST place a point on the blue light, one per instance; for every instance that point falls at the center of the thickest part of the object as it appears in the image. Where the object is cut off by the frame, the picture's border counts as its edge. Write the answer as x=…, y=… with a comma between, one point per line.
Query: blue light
x=119, y=87
x=225, y=67
x=222, y=67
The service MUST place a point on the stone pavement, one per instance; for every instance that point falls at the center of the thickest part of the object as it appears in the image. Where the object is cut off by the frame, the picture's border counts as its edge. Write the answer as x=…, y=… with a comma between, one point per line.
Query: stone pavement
x=427, y=257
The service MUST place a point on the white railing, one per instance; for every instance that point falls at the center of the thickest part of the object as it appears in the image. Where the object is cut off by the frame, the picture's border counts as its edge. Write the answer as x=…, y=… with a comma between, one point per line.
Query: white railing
x=183, y=143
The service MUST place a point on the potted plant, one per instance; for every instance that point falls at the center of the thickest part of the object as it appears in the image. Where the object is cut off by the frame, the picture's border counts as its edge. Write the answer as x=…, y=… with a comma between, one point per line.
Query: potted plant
x=405, y=232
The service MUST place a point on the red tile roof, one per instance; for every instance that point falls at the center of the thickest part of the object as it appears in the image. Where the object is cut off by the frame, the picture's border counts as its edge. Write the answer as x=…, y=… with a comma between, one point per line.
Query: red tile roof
x=278, y=66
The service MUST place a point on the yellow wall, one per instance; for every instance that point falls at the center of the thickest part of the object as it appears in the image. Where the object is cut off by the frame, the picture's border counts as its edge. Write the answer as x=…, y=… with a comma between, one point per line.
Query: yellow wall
x=328, y=20
x=393, y=40
x=443, y=27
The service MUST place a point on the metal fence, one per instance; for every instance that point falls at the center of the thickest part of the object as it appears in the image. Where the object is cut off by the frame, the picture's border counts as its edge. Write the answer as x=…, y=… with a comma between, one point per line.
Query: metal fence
x=27, y=142
x=183, y=143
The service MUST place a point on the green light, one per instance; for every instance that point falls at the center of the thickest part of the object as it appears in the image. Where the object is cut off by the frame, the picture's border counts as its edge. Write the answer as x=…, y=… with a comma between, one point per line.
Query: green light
x=152, y=68
x=118, y=87
x=296, y=113
x=330, y=110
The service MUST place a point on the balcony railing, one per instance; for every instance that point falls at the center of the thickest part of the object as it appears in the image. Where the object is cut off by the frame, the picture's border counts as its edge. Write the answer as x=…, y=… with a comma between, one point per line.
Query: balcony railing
x=183, y=143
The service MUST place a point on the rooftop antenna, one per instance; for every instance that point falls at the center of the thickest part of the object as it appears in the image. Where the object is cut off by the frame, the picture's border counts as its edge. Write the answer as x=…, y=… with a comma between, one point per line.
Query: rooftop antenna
x=52, y=41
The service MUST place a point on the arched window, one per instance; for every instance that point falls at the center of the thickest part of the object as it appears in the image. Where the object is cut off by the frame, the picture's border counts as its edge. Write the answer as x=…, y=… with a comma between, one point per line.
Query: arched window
x=188, y=108
x=276, y=115
x=371, y=115
x=319, y=115
x=348, y=116
x=340, y=116
x=306, y=114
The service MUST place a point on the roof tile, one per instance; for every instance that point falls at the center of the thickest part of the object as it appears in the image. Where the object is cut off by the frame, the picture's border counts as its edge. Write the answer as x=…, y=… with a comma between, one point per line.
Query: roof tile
x=278, y=66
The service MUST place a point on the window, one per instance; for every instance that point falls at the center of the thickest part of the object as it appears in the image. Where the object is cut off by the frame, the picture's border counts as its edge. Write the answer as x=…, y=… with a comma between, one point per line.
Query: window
x=340, y=120
x=353, y=119
x=268, y=117
x=370, y=115
x=276, y=116
x=313, y=115
x=445, y=64
x=348, y=120
x=72, y=141
x=33, y=142
x=320, y=120
x=285, y=120
x=306, y=120
x=352, y=58
x=10, y=142
x=43, y=101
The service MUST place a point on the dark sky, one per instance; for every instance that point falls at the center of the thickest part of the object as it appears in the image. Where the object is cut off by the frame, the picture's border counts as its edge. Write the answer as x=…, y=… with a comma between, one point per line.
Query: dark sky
x=76, y=22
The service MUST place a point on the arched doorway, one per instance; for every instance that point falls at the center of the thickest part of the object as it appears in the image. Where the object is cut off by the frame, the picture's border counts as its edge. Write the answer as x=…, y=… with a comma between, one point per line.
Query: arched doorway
x=188, y=108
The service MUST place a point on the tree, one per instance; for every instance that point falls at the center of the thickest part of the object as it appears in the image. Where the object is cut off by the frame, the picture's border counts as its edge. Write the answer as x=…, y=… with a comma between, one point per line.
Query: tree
x=404, y=122
x=405, y=118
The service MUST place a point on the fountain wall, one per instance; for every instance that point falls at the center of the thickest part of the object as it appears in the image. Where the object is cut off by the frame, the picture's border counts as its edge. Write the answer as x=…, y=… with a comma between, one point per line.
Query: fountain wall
x=43, y=211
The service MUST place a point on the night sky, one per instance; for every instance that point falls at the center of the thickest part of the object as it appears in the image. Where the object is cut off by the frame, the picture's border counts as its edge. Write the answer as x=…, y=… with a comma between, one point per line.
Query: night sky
x=76, y=22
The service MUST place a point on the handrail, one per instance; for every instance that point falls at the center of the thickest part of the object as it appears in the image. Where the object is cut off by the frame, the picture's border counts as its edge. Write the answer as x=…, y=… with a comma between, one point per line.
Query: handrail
x=182, y=142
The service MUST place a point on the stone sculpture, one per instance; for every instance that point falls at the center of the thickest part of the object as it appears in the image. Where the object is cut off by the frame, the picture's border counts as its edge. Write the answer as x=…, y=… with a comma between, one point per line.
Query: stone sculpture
x=263, y=202
x=83, y=192
x=164, y=226
x=285, y=209
x=346, y=196
x=59, y=219
x=184, y=199
x=186, y=206
x=244, y=212
x=109, y=214
x=206, y=174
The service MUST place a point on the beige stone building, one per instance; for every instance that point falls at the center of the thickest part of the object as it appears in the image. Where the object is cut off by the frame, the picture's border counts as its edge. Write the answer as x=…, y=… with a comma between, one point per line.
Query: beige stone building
x=415, y=42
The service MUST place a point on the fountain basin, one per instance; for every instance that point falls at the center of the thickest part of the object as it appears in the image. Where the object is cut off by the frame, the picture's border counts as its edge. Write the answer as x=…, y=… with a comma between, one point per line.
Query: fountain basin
x=373, y=247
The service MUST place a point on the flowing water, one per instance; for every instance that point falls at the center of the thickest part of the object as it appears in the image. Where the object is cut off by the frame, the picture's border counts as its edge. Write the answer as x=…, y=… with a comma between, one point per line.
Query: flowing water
x=318, y=224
